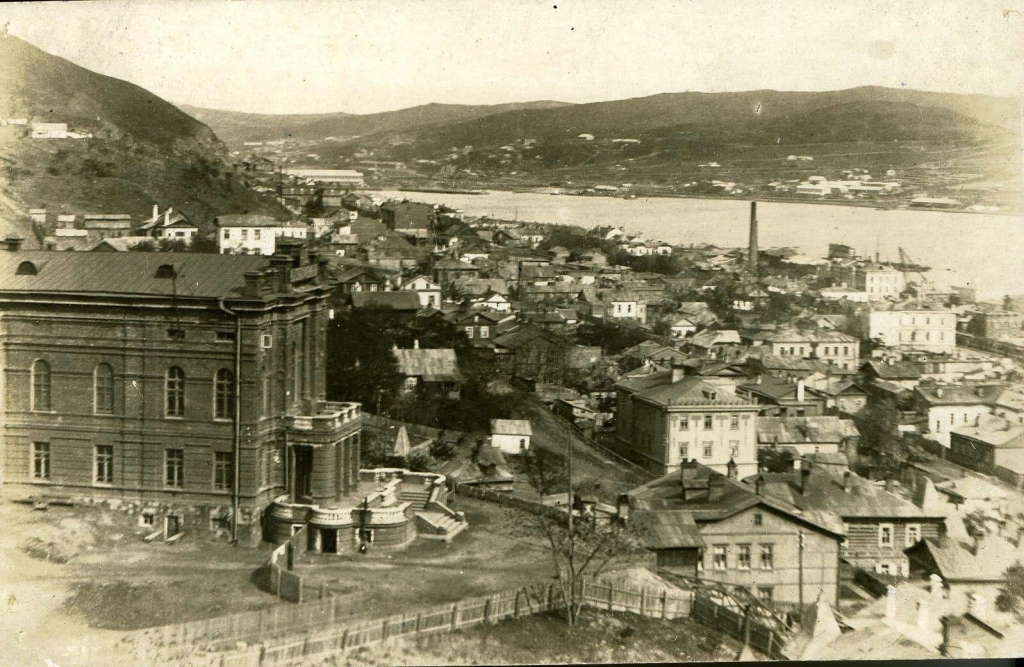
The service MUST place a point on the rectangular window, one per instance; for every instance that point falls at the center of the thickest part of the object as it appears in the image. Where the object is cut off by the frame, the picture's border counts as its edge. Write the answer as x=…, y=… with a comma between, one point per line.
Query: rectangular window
x=913, y=534
x=719, y=562
x=709, y=422
x=174, y=468
x=227, y=233
x=767, y=557
x=485, y=332
x=469, y=332
x=885, y=535
x=223, y=471
x=734, y=422
x=256, y=234
x=104, y=464
x=758, y=519
x=708, y=449
x=765, y=594
x=684, y=451
x=684, y=423
x=175, y=334
x=40, y=460
x=743, y=557
x=245, y=234
x=734, y=449
x=225, y=336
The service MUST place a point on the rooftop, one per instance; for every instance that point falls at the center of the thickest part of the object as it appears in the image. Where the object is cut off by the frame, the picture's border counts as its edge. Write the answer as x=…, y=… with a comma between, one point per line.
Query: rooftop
x=431, y=365
x=789, y=430
x=659, y=389
x=511, y=427
x=993, y=430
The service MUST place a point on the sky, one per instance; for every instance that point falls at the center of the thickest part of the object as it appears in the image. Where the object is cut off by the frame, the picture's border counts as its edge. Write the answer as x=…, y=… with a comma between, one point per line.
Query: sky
x=365, y=56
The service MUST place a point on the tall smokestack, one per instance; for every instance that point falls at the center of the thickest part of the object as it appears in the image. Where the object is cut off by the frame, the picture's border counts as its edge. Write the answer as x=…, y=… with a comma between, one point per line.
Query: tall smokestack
x=752, y=259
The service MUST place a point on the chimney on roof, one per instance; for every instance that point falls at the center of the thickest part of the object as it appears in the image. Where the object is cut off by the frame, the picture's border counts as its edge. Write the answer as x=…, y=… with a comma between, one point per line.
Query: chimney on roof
x=890, y=484
x=979, y=391
x=687, y=476
x=752, y=252
x=805, y=473
x=977, y=420
x=716, y=486
x=731, y=470
x=938, y=392
x=156, y=211
x=759, y=484
x=416, y=344
x=847, y=480
x=167, y=216
x=13, y=243
x=800, y=391
x=678, y=372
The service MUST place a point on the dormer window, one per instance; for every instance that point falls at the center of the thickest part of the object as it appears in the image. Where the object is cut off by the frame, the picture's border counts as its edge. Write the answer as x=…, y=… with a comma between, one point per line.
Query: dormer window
x=26, y=268
x=165, y=271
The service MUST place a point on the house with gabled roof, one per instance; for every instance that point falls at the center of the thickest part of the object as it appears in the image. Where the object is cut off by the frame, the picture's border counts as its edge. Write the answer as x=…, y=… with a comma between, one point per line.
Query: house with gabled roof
x=951, y=406
x=779, y=398
x=808, y=435
x=428, y=368
x=879, y=524
x=709, y=526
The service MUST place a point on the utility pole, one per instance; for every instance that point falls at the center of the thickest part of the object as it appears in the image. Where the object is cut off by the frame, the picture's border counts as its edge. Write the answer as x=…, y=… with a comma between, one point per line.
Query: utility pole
x=801, y=574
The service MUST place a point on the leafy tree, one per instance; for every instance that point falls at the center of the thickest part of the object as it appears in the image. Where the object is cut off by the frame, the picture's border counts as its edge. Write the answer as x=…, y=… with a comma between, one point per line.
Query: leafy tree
x=142, y=246
x=360, y=364
x=1011, y=595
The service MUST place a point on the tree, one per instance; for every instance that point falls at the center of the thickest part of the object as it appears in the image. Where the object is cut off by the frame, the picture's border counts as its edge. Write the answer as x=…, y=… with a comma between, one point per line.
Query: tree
x=1011, y=595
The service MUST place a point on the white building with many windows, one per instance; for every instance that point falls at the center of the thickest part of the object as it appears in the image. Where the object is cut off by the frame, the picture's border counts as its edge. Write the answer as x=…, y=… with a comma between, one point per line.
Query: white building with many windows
x=251, y=234
x=918, y=328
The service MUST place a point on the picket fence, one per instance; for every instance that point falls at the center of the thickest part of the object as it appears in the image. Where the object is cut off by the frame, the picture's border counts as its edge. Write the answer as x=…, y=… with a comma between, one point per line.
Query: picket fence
x=289, y=635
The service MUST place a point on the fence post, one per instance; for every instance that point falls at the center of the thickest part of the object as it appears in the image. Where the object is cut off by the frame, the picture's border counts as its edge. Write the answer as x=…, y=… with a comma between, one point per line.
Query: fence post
x=455, y=616
x=643, y=600
x=771, y=640
x=515, y=606
x=419, y=618
x=344, y=639
x=664, y=604
x=384, y=631
x=487, y=610
x=583, y=592
x=611, y=595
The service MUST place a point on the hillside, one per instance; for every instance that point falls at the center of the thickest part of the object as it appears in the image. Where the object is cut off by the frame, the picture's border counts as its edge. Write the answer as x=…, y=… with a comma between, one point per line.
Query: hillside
x=235, y=127
x=144, y=151
x=760, y=117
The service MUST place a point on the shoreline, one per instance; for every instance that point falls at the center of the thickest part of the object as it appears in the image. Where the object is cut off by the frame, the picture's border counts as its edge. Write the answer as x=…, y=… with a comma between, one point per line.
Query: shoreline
x=744, y=198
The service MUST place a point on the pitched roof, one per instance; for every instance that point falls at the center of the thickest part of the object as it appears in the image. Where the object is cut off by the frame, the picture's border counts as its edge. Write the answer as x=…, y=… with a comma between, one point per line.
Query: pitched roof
x=710, y=338
x=128, y=273
x=664, y=496
x=432, y=365
x=957, y=563
x=993, y=430
x=511, y=427
x=251, y=220
x=396, y=300
x=945, y=394
x=790, y=430
x=691, y=391
x=824, y=491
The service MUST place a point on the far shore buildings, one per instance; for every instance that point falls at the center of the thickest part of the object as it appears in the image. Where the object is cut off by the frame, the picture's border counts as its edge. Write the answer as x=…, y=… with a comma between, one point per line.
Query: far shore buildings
x=669, y=417
x=198, y=403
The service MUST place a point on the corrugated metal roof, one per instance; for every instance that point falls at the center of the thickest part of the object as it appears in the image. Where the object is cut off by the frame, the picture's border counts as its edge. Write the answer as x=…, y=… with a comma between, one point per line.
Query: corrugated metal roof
x=197, y=275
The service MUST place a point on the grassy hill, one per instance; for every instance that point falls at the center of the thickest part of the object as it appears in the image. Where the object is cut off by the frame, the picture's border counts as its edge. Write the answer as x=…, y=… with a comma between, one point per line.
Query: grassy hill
x=235, y=127
x=144, y=151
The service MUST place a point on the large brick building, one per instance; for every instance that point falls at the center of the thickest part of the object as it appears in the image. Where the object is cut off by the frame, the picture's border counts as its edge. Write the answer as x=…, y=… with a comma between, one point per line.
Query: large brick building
x=118, y=378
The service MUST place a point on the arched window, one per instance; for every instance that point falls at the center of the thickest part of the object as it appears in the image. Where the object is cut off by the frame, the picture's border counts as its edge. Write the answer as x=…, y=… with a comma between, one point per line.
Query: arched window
x=40, y=385
x=224, y=394
x=174, y=390
x=103, y=389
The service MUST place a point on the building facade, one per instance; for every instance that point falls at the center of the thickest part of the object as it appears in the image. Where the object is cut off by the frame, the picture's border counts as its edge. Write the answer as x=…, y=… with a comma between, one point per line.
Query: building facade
x=928, y=330
x=667, y=418
x=247, y=234
x=187, y=388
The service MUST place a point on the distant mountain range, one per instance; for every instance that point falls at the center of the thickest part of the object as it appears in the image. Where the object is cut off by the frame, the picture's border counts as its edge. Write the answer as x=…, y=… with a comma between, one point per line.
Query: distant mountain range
x=144, y=151
x=235, y=127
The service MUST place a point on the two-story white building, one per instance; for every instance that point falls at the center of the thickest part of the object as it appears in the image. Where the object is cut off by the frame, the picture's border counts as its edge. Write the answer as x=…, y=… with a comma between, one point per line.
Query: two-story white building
x=427, y=290
x=253, y=234
x=669, y=417
x=927, y=329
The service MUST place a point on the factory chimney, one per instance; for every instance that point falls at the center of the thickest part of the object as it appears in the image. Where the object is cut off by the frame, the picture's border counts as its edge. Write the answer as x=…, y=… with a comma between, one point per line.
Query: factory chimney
x=752, y=257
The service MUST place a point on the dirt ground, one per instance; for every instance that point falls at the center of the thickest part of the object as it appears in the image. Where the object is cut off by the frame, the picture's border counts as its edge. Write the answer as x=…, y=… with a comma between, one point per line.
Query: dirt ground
x=499, y=551
x=601, y=637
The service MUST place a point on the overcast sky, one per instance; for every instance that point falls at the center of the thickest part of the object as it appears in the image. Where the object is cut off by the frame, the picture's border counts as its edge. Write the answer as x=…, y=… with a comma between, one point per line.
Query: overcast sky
x=303, y=56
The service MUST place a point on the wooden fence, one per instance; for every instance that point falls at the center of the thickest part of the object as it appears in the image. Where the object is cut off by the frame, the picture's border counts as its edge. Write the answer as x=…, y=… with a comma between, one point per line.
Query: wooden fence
x=286, y=635
x=509, y=500
x=738, y=624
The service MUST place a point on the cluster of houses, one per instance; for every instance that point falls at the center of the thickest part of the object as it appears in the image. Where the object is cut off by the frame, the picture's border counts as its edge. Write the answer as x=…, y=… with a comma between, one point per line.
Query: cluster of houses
x=45, y=130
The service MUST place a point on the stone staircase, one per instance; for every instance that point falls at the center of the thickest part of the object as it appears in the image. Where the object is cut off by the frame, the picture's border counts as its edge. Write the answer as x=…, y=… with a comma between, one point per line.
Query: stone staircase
x=418, y=496
x=447, y=525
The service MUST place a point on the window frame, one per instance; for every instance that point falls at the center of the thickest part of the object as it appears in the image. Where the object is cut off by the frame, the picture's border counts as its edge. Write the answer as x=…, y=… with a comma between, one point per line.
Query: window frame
x=41, y=395
x=174, y=392
x=103, y=462
x=708, y=449
x=223, y=395
x=178, y=461
x=914, y=528
x=734, y=421
x=769, y=562
x=709, y=422
x=107, y=392
x=882, y=529
x=40, y=461
x=223, y=471
x=720, y=557
x=743, y=556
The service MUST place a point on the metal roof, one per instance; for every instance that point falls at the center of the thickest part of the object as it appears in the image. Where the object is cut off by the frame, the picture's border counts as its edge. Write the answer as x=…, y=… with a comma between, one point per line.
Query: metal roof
x=128, y=273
